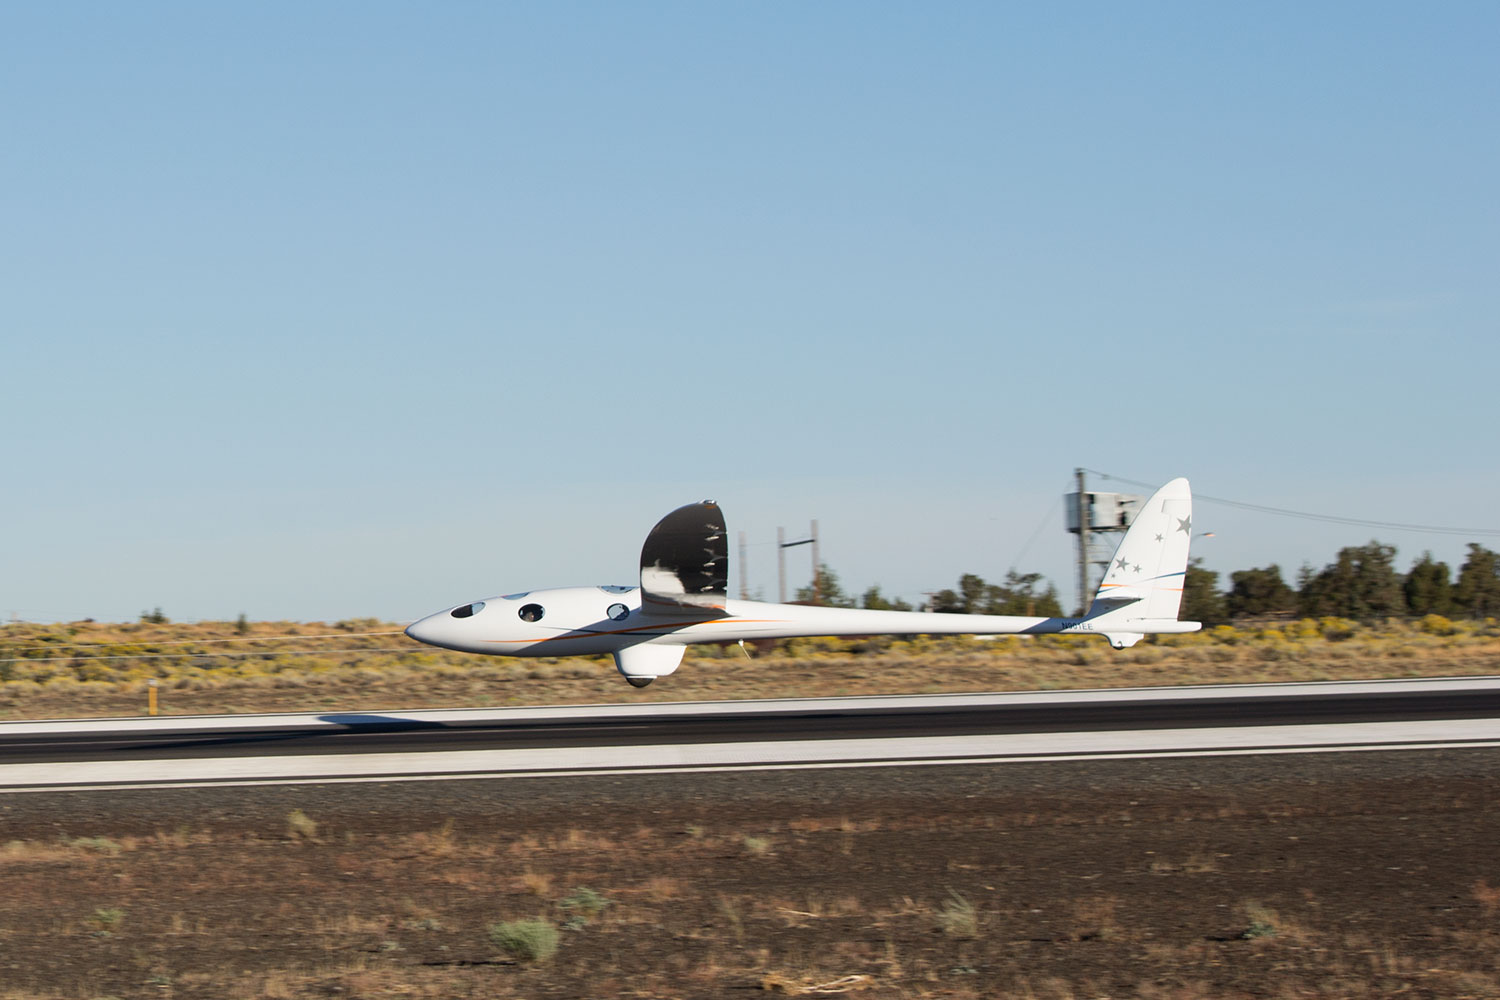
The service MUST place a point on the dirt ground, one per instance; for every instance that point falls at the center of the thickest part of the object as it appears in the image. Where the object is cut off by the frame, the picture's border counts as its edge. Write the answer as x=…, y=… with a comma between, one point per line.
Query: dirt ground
x=1330, y=875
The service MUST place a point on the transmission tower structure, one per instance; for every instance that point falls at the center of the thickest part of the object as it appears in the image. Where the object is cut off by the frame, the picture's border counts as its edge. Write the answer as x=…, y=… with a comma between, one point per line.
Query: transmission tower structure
x=1099, y=520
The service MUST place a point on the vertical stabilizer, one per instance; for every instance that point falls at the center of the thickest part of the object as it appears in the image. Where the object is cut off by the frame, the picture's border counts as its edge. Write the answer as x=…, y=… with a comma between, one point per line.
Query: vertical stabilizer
x=1145, y=577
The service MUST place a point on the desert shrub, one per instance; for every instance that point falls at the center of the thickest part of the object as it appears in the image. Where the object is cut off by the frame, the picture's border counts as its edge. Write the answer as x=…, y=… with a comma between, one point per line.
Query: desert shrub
x=107, y=918
x=1262, y=922
x=525, y=940
x=1337, y=629
x=584, y=902
x=98, y=845
x=958, y=917
x=1304, y=628
x=757, y=845
x=301, y=826
x=814, y=646
x=1087, y=656
x=1437, y=625
x=1226, y=634
x=1144, y=654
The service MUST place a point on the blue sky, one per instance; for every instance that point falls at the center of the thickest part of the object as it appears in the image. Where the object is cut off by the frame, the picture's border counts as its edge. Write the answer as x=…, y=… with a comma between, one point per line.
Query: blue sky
x=317, y=310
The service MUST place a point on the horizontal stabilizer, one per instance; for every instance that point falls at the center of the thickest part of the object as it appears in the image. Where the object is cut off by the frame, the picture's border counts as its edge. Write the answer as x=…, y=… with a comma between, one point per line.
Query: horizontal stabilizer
x=1120, y=595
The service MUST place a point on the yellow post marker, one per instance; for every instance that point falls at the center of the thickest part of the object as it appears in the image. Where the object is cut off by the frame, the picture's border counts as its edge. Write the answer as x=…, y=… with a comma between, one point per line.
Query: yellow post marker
x=151, y=696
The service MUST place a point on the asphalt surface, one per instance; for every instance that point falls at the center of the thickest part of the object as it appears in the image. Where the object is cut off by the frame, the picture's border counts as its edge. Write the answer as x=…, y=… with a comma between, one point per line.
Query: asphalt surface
x=586, y=801
x=373, y=733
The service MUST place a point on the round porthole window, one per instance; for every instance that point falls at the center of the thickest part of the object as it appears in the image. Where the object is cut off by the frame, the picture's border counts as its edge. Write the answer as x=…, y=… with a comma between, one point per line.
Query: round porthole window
x=618, y=612
x=531, y=612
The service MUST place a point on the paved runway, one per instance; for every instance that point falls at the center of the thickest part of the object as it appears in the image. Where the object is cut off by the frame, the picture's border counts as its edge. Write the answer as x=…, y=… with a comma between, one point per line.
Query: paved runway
x=801, y=732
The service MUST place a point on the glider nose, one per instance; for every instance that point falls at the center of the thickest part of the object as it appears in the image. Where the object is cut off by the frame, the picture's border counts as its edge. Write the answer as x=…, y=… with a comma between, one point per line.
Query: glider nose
x=421, y=630
x=434, y=630
x=450, y=629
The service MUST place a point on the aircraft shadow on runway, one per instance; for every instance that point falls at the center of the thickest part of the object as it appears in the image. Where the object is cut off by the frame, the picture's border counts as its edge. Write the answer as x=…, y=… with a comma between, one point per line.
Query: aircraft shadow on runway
x=349, y=724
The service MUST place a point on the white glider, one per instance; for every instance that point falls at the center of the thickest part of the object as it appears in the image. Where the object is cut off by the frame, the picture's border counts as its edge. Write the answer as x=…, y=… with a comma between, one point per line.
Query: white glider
x=682, y=599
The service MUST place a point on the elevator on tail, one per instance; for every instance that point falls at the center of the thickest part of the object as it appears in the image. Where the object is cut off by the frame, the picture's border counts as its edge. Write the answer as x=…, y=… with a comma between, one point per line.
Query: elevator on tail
x=682, y=598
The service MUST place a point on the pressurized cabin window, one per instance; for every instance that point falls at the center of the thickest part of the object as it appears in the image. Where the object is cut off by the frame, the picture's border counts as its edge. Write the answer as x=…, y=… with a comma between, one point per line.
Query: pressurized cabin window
x=468, y=610
x=531, y=612
x=618, y=612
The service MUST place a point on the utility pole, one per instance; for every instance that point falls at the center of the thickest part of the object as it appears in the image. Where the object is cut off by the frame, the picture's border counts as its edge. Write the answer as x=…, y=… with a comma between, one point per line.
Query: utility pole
x=817, y=576
x=1094, y=515
x=781, y=565
x=744, y=584
x=781, y=546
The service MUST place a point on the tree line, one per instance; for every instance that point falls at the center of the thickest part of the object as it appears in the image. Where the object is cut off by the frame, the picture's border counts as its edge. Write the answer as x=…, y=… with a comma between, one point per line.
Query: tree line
x=1362, y=583
x=1020, y=594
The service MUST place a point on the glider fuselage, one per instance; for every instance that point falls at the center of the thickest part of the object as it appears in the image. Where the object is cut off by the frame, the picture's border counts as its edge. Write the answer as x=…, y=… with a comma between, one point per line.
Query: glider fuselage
x=681, y=599
x=568, y=621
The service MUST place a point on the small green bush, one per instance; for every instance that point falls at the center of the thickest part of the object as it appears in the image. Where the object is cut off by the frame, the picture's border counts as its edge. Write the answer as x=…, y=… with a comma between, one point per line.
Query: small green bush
x=107, y=918
x=1262, y=923
x=584, y=902
x=525, y=940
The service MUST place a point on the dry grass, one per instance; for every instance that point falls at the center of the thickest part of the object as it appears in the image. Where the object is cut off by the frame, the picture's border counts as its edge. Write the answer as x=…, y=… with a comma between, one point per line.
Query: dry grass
x=67, y=670
x=1197, y=863
x=1265, y=924
x=439, y=843
x=1487, y=896
x=299, y=826
x=67, y=850
x=958, y=917
x=1093, y=918
x=780, y=982
x=756, y=845
x=661, y=889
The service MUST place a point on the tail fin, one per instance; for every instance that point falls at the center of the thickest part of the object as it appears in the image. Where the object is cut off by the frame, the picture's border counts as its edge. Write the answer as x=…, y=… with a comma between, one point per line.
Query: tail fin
x=1142, y=589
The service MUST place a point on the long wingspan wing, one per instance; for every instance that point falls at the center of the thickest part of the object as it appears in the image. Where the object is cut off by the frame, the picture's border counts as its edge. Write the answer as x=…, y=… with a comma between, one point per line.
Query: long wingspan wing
x=685, y=561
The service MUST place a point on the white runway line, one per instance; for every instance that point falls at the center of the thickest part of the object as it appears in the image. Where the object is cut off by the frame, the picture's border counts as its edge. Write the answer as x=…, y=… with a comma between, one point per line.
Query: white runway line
x=428, y=765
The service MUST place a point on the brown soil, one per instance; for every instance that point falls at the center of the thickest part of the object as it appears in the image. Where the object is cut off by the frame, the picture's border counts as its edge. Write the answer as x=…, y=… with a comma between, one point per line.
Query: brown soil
x=1356, y=875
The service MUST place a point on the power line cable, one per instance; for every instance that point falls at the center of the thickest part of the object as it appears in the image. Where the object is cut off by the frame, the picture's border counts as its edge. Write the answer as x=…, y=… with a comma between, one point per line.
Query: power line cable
x=1046, y=520
x=195, y=642
x=195, y=656
x=1305, y=515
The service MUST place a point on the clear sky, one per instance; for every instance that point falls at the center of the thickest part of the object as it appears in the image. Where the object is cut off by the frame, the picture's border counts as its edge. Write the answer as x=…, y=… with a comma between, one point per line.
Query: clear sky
x=324, y=310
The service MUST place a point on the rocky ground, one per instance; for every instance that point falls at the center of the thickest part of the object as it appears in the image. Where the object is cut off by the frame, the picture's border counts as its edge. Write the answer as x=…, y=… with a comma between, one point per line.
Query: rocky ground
x=1329, y=875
